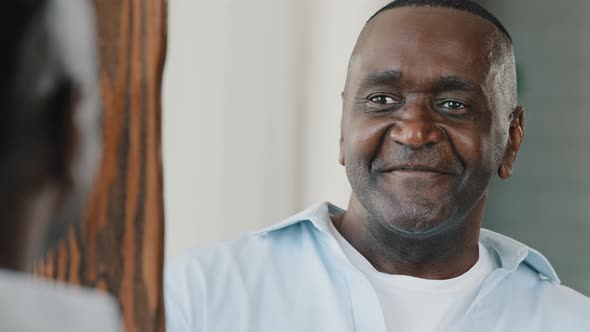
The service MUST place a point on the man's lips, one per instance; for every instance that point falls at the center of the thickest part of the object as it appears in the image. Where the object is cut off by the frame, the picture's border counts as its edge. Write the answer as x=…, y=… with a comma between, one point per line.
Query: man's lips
x=418, y=170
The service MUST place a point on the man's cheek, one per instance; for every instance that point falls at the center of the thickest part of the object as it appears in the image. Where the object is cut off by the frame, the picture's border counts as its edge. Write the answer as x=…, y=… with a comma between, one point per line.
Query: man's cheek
x=368, y=137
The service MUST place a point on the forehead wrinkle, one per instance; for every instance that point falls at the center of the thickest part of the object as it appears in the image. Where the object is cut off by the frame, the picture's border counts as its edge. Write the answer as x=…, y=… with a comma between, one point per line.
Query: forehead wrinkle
x=413, y=73
x=369, y=58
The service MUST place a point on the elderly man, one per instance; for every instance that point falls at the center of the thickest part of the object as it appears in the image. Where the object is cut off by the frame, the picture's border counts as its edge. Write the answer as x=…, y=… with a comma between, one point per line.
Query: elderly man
x=49, y=150
x=429, y=116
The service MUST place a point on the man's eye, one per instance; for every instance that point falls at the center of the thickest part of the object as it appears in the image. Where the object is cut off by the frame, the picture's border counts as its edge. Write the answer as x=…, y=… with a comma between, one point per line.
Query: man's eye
x=452, y=105
x=383, y=100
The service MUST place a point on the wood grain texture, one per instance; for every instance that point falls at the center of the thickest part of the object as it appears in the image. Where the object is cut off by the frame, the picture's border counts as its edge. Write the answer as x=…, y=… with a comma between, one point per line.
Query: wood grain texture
x=120, y=246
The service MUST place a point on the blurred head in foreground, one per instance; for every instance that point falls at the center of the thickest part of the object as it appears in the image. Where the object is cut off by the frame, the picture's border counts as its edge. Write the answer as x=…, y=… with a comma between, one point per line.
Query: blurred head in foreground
x=50, y=123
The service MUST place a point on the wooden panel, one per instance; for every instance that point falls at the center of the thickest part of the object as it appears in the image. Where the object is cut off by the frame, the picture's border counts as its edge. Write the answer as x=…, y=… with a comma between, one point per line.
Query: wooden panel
x=119, y=248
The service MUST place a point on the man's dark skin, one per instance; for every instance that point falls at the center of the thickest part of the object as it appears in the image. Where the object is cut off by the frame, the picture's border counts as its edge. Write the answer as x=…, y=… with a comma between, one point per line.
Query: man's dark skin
x=429, y=116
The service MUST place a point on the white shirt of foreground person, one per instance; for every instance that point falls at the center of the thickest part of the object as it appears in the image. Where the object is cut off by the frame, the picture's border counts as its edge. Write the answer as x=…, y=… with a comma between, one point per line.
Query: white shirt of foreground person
x=31, y=305
x=295, y=277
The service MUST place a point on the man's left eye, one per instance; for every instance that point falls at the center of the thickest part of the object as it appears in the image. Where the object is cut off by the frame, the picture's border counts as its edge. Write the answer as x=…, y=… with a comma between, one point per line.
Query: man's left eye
x=452, y=105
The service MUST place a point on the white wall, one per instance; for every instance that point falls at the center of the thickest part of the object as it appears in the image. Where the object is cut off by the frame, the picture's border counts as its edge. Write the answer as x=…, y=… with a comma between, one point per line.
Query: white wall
x=251, y=112
x=331, y=38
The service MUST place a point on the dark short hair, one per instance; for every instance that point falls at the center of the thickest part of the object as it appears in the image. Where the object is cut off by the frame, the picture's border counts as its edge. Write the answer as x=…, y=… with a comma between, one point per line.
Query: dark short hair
x=462, y=5
x=15, y=17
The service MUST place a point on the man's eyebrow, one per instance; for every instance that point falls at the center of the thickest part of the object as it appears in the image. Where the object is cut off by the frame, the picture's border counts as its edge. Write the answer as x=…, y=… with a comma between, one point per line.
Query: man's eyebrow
x=386, y=77
x=393, y=77
x=454, y=83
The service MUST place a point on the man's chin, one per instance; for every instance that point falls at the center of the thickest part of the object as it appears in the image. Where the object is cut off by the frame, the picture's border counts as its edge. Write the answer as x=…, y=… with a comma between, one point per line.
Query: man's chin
x=418, y=225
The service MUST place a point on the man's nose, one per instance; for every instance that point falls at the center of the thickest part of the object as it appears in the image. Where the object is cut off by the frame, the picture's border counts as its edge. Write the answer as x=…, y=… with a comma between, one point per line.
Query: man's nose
x=416, y=127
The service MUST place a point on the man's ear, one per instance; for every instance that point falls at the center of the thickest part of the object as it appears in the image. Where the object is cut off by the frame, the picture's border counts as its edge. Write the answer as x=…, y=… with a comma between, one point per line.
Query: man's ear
x=515, y=137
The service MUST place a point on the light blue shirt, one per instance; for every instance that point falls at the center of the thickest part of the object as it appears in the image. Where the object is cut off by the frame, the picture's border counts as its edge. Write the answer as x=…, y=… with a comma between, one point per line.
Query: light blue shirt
x=294, y=277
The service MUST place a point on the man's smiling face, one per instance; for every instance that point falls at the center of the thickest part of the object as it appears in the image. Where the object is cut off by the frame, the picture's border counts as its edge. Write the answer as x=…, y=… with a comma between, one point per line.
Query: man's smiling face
x=427, y=108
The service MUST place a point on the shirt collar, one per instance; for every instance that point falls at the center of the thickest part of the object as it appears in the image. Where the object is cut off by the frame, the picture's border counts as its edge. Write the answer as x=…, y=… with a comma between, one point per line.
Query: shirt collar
x=318, y=215
x=511, y=252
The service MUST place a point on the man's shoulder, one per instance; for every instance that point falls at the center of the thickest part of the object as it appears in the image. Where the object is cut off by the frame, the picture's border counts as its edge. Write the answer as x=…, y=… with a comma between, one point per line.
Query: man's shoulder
x=258, y=270
x=38, y=305
x=250, y=252
x=570, y=300
x=546, y=291
x=553, y=304
x=533, y=288
x=216, y=255
x=295, y=236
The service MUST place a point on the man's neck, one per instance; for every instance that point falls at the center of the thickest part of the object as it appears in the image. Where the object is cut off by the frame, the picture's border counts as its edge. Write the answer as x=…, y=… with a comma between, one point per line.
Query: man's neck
x=440, y=256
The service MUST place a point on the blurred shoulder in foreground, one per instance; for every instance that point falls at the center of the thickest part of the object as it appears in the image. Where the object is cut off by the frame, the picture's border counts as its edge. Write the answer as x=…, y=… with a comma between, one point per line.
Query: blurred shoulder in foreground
x=50, y=137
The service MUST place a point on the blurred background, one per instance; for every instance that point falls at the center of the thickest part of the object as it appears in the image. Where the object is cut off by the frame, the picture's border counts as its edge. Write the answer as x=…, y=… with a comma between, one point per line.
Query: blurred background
x=252, y=108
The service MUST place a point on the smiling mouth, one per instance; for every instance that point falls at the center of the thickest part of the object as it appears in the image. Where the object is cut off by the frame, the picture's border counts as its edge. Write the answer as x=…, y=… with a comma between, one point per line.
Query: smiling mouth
x=418, y=171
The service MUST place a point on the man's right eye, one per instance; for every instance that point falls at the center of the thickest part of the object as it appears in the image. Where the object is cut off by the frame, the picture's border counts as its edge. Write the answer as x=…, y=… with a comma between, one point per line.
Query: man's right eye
x=383, y=100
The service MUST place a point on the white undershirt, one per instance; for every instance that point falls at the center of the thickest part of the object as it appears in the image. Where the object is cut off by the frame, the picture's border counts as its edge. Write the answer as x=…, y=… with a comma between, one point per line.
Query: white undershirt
x=421, y=305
